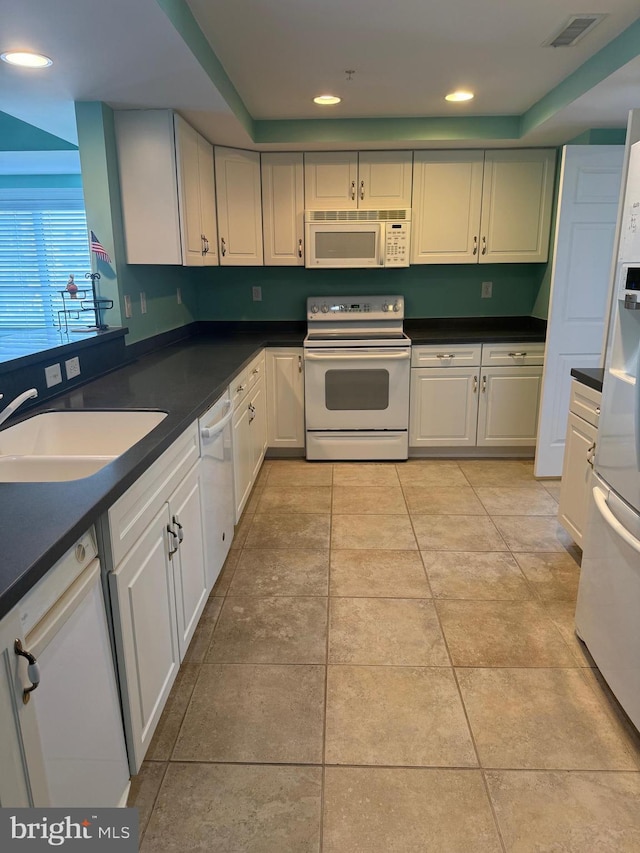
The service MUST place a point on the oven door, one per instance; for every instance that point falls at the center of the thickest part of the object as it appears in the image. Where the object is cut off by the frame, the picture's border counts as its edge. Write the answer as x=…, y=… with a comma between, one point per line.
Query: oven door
x=357, y=388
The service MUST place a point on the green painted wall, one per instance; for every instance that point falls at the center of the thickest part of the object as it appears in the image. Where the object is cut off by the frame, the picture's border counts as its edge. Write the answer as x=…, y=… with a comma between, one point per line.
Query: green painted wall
x=18, y=135
x=20, y=182
x=429, y=290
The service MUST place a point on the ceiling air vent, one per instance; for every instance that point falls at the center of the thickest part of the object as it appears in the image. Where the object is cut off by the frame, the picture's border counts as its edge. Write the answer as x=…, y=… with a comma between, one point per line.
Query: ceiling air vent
x=573, y=30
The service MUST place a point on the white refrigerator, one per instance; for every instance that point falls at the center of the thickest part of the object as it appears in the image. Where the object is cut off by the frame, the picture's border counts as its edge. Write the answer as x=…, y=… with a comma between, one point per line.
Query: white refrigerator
x=608, y=608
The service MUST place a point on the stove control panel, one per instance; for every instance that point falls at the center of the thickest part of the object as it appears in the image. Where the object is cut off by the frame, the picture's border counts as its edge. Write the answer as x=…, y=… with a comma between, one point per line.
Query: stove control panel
x=345, y=308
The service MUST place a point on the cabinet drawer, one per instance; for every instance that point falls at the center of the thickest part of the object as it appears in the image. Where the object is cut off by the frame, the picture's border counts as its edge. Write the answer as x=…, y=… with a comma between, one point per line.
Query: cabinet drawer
x=246, y=379
x=256, y=369
x=585, y=402
x=130, y=514
x=446, y=355
x=518, y=354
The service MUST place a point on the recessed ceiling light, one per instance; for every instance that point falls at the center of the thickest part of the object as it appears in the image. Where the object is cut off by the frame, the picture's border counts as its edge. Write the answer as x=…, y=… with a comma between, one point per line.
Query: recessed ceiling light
x=459, y=96
x=327, y=100
x=25, y=59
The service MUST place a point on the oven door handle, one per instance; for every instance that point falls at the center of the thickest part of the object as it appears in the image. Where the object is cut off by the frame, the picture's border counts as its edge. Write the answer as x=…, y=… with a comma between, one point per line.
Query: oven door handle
x=386, y=355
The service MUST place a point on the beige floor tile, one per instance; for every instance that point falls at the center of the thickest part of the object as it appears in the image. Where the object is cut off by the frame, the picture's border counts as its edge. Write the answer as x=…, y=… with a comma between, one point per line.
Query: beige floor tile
x=389, y=574
x=224, y=578
x=497, y=472
x=289, y=530
x=443, y=500
x=270, y=630
x=438, y=473
x=203, y=633
x=241, y=530
x=144, y=789
x=393, y=532
x=234, y=809
x=380, y=810
x=502, y=633
x=365, y=473
x=457, y=533
x=553, y=487
x=469, y=575
x=574, y=812
x=166, y=733
x=367, y=499
x=281, y=572
x=385, y=631
x=407, y=716
x=532, y=533
x=247, y=712
x=562, y=613
x=296, y=472
x=531, y=500
x=541, y=719
x=295, y=499
x=552, y=576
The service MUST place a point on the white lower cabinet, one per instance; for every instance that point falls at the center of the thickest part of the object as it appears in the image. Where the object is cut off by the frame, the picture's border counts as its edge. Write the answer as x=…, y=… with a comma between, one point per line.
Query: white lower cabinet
x=248, y=428
x=158, y=584
x=285, y=398
x=582, y=432
x=460, y=399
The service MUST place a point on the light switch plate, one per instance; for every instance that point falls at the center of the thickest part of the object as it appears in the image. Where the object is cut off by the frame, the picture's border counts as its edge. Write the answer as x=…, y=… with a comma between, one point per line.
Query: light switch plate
x=53, y=375
x=143, y=302
x=127, y=306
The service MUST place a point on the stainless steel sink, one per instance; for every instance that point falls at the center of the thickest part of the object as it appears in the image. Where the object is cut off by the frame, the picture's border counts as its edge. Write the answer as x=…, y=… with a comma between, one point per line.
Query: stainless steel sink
x=57, y=446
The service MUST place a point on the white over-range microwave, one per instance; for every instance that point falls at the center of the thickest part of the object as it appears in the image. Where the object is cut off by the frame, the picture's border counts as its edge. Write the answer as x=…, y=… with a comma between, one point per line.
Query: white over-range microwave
x=338, y=239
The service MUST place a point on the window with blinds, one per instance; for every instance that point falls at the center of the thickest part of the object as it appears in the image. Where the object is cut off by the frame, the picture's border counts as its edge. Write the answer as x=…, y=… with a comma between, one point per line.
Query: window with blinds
x=43, y=238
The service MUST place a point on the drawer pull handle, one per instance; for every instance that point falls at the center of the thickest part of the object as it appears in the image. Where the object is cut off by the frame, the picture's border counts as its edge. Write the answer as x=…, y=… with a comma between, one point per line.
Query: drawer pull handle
x=446, y=355
x=33, y=670
x=255, y=370
x=240, y=389
x=517, y=355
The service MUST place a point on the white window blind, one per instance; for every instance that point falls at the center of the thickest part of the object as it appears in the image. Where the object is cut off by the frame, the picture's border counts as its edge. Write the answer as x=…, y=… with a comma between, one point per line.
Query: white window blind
x=43, y=238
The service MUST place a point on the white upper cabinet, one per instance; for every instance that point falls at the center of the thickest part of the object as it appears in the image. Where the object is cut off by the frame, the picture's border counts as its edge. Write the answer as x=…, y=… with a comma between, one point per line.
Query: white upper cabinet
x=239, y=207
x=346, y=180
x=167, y=189
x=482, y=206
x=283, y=209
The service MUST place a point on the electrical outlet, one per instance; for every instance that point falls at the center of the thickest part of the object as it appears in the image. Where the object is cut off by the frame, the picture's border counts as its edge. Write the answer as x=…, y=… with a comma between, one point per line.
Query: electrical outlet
x=72, y=367
x=179, y=295
x=143, y=302
x=53, y=375
x=487, y=289
x=128, y=313
x=257, y=293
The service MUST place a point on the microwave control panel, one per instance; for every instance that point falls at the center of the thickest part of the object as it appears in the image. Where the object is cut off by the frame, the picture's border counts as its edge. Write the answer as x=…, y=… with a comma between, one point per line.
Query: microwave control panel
x=396, y=250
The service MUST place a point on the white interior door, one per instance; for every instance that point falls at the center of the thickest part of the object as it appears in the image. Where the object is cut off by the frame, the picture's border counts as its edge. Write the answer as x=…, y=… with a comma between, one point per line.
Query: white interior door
x=585, y=229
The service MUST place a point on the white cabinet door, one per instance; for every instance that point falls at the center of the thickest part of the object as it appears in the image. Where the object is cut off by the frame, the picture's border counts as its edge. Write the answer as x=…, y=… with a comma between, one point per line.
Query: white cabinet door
x=283, y=209
x=208, y=222
x=285, y=397
x=517, y=195
x=576, y=477
x=22, y=779
x=384, y=180
x=189, y=573
x=243, y=456
x=508, y=408
x=188, y=173
x=146, y=632
x=447, y=198
x=330, y=180
x=239, y=206
x=444, y=407
x=258, y=426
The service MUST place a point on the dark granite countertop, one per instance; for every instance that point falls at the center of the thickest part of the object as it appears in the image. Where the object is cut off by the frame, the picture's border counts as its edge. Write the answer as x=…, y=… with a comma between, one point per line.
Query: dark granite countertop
x=591, y=376
x=41, y=521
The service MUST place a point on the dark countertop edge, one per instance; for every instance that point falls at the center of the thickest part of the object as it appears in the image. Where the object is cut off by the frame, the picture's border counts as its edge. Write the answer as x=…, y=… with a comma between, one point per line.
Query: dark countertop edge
x=58, y=351
x=591, y=376
x=467, y=330
x=100, y=491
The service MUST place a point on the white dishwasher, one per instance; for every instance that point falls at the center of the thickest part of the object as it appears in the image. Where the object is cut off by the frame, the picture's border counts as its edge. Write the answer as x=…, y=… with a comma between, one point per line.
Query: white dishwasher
x=76, y=700
x=216, y=458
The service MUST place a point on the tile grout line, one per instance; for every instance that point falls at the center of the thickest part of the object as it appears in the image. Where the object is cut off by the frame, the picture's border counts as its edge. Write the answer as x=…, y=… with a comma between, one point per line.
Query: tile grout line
x=326, y=674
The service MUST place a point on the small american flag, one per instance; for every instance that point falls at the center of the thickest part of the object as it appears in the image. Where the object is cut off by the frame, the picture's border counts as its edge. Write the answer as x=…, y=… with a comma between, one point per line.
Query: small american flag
x=98, y=249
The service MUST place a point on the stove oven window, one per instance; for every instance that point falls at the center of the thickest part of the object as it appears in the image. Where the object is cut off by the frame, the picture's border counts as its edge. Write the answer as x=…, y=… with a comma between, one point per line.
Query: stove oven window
x=356, y=390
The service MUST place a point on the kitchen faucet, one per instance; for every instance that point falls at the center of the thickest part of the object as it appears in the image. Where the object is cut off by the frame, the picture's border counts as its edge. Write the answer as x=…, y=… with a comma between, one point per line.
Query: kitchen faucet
x=15, y=404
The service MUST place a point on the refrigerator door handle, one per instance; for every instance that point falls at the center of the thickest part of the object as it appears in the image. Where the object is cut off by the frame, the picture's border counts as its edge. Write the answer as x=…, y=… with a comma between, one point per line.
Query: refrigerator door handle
x=612, y=521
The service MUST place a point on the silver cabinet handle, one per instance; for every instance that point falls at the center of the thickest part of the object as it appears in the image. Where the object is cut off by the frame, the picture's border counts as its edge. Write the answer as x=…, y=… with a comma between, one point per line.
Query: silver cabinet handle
x=475, y=384
x=591, y=452
x=517, y=355
x=205, y=244
x=252, y=413
x=180, y=530
x=475, y=245
x=446, y=355
x=173, y=541
x=240, y=389
x=300, y=247
x=362, y=190
x=299, y=364
x=484, y=245
x=255, y=370
x=353, y=190
x=484, y=384
x=33, y=670
x=223, y=247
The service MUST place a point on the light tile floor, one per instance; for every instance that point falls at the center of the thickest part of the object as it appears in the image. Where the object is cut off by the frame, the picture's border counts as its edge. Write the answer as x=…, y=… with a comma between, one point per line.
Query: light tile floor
x=387, y=664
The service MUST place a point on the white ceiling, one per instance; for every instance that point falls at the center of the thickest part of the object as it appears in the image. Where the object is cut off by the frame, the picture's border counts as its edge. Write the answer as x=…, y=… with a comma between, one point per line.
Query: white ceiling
x=280, y=53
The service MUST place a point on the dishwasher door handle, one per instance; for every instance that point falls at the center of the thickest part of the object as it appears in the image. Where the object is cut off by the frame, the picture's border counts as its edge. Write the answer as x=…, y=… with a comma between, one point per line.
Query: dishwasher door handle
x=209, y=432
